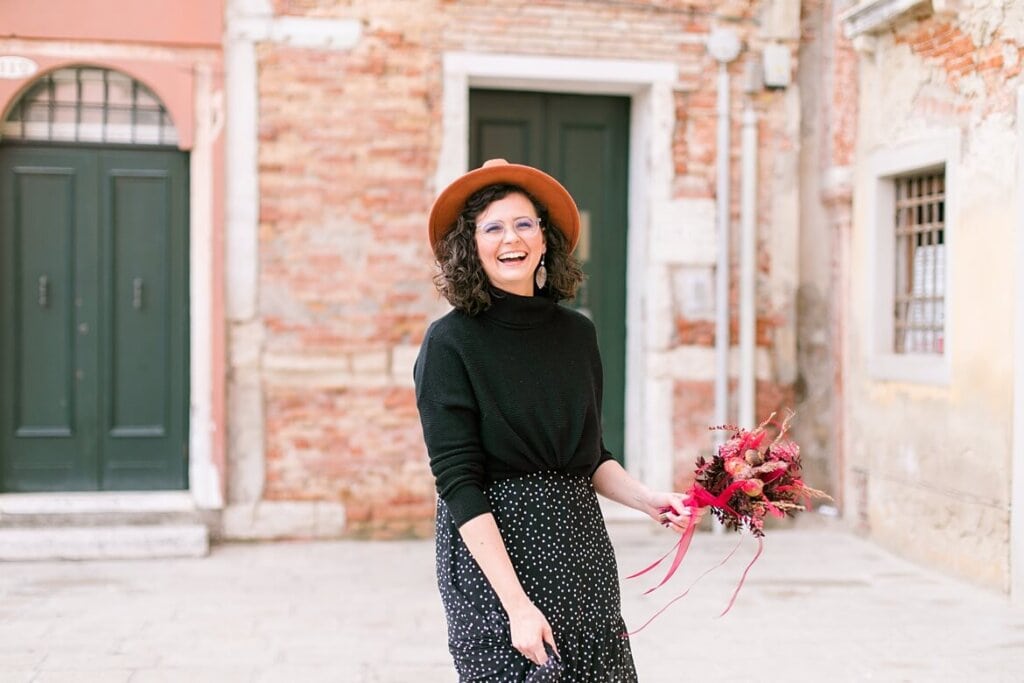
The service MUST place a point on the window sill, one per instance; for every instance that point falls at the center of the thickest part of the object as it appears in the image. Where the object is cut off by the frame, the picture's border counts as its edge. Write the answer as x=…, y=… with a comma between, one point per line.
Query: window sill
x=910, y=368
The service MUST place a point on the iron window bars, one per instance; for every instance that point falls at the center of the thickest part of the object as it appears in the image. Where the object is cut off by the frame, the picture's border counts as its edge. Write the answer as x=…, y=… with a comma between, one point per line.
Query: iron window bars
x=920, y=286
x=89, y=104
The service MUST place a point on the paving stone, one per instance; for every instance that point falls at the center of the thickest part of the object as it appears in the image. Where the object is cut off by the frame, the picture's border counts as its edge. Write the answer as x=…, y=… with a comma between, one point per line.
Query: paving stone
x=17, y=676
x=819, y=605
x=85, y=675
x=211, y=674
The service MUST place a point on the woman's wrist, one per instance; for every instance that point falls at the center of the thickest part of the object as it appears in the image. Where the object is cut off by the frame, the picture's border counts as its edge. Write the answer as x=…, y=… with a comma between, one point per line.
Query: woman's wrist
x=517, y=604
x=513, y=597
x=642, y=497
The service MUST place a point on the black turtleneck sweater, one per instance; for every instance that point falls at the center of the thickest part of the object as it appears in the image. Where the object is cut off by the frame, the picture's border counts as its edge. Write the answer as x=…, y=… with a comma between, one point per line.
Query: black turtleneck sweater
x=513, y=390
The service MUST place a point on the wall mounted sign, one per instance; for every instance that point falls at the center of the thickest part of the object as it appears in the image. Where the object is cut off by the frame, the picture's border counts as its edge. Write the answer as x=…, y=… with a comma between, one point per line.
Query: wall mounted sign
x=13, y=67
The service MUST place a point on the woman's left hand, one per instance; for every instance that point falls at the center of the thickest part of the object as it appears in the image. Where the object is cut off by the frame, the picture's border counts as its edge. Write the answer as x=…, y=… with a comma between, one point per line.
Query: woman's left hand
x=669, y=508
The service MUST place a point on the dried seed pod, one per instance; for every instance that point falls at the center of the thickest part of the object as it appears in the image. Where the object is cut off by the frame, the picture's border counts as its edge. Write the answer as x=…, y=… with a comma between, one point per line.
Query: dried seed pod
x=737, y=468
x=773, y=466
x=753, y=457
x=753, y=487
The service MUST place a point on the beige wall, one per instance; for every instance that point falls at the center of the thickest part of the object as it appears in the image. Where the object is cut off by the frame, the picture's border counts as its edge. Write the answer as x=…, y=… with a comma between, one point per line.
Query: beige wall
x=929, y=468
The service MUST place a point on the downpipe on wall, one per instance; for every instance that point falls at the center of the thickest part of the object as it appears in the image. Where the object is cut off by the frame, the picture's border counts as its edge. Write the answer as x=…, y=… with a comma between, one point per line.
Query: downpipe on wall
x=724, y=47
x=748, y=269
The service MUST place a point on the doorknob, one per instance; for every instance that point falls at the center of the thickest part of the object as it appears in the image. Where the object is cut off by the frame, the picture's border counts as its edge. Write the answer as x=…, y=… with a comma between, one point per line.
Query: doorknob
x=44, y=291
x=137, y=293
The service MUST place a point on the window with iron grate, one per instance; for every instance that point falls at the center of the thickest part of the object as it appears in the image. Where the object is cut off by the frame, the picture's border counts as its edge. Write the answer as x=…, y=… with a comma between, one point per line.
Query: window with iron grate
x=910, y=210
x=90, y=104
x=919, y=296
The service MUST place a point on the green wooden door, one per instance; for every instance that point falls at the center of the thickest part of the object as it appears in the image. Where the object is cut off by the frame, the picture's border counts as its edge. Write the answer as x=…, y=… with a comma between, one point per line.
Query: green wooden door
x=93, y=319
x=583, y=141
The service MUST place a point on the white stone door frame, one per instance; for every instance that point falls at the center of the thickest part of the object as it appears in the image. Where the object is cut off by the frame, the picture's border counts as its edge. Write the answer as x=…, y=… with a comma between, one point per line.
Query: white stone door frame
x=1017, y=456
x=204, y=478
x=649, y=84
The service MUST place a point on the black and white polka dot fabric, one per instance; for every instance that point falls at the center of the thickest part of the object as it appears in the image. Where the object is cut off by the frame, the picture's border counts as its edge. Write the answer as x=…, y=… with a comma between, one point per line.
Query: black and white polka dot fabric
x=554, y=532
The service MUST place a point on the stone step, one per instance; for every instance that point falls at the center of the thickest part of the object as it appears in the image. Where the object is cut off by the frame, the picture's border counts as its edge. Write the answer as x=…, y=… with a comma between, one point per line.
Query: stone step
x=89, y=519
x=91, y=526
x=104, y=542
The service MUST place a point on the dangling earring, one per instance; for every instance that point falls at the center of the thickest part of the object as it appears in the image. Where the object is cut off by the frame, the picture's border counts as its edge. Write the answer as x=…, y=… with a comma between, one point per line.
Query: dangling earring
x=541, y=276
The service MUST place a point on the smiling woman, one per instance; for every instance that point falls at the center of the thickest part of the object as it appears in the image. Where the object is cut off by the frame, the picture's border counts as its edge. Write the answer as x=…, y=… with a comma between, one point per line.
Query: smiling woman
x=509, y=390
x=503, y=236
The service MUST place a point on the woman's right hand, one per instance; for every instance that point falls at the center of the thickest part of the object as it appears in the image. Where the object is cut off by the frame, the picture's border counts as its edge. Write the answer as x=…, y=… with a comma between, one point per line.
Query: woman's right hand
x=528, y=627
x=530, y=630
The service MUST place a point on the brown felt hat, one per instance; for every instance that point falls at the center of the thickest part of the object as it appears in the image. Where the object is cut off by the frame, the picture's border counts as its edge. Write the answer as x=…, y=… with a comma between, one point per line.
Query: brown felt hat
x=548, y=191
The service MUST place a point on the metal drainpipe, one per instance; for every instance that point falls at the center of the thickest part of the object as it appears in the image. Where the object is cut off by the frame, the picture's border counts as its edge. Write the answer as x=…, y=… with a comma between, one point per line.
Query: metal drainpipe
x=748, y=268
x=724, y=47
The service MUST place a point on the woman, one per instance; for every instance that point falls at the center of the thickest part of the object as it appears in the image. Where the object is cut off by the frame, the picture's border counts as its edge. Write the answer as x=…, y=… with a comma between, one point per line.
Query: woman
x=508, y=386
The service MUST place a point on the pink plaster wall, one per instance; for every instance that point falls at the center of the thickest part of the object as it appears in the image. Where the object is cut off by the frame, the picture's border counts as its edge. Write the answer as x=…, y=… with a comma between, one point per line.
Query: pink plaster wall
x=174, y=22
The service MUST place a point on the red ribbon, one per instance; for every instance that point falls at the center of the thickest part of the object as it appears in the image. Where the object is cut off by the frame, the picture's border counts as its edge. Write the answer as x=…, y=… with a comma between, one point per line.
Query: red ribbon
x=688, y=588
x=743, y=577
x=700, y=497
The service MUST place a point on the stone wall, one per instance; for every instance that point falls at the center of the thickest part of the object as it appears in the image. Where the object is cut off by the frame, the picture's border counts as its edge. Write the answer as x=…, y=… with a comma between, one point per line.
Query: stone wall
x=828, y=89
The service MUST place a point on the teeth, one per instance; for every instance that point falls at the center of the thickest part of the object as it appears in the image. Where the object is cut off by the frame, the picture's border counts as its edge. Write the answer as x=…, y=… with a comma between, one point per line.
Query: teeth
x=512, y=255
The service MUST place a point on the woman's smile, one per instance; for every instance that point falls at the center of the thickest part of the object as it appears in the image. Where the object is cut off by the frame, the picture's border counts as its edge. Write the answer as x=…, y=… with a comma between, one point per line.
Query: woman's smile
x=510, y=243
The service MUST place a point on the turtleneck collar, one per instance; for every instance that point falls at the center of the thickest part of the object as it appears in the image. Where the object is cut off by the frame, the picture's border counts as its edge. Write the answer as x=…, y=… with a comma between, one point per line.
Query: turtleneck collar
x=513, y=310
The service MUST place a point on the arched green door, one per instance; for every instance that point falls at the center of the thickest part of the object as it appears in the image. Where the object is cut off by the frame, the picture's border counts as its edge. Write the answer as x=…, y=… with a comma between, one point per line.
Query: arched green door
x=93, y=308
x=583, y=141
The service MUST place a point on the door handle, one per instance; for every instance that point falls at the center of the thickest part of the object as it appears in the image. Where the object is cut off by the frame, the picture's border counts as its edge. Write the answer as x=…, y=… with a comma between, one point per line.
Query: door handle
x=44, y=291
x=137, y=293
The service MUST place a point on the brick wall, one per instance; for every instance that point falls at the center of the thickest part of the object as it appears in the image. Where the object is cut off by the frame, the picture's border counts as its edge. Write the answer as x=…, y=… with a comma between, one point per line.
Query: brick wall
x=976, y=65
x=348, y=143
x=346, y=146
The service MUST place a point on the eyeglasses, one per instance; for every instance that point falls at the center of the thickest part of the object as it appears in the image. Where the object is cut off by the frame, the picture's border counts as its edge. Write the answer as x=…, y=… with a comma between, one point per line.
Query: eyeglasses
x=495, y=230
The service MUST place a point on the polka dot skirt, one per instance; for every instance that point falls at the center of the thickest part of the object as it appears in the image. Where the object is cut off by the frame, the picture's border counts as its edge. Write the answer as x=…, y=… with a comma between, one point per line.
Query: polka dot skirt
x=556, y=537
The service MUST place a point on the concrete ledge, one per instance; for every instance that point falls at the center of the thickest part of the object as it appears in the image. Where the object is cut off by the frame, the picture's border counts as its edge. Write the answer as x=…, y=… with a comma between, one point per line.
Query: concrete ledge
x=268, y=520
x=94, y=502
x=104, y=542
x=872, y=16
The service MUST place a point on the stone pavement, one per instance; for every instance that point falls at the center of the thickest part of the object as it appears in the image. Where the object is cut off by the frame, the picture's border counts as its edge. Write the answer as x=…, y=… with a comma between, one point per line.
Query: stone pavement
x=820, y=605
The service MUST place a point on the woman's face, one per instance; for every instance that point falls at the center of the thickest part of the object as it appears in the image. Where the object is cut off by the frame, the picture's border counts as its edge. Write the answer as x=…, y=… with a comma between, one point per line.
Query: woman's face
x=510, y=243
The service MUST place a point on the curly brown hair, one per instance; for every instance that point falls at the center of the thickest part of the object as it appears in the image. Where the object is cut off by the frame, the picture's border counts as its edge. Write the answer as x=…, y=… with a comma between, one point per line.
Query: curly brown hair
x=461, y=278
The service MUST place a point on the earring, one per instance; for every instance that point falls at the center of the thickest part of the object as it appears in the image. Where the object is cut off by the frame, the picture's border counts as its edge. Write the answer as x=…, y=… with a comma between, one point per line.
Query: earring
x=541, y=276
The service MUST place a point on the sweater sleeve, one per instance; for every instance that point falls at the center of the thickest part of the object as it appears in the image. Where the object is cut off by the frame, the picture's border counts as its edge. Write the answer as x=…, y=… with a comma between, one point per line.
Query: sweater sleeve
x=450, y=420
x=598, y=370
